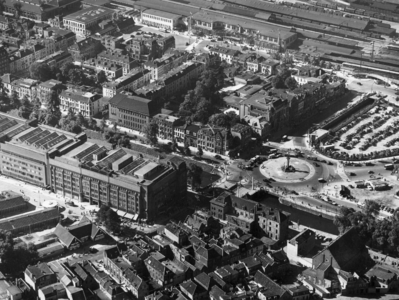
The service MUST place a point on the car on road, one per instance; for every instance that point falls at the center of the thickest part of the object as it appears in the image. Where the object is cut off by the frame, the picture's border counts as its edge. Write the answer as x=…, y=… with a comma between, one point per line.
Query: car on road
x=217, y=156
x=265, y=180
x=359, y=83
x=369, y=164
x=352, y=174
x=371, y=172
x=330, y=163
x=316, y=164
x=213, y=41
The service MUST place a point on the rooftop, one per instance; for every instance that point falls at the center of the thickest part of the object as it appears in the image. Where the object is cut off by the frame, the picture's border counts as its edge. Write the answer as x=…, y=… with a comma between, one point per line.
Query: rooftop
x=160, y=13
x=90, y=14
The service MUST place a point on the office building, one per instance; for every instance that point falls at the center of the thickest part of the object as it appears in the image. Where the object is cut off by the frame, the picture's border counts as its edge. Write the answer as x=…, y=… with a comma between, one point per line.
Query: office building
x=83, y=21
x=131, y=111
x=160, y=19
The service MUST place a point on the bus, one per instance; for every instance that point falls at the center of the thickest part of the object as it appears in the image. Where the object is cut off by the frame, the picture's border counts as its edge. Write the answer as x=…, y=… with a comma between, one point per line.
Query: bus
x=389, y=167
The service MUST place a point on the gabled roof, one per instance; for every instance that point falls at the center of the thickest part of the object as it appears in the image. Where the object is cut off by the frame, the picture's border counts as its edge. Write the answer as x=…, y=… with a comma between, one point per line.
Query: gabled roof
x=204, y=280
x=64, y=235
x=272, y=288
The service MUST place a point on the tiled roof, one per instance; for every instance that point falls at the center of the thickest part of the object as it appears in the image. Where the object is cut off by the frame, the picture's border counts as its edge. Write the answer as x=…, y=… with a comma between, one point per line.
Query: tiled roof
x=64, y=235
x=155, y=264
x=272, y=288
x=134, y=103
x=204, y=280
x=39, y=270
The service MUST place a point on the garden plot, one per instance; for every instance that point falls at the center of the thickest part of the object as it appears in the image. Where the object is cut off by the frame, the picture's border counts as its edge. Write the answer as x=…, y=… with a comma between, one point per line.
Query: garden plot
x=375, y=131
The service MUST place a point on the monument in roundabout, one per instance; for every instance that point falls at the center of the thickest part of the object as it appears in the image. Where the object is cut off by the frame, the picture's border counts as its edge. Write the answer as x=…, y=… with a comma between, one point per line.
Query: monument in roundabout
x=287, y=168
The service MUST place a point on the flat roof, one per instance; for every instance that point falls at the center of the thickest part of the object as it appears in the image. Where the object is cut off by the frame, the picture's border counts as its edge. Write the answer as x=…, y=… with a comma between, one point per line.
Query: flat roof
x=89, y=14
x=160, y=13
x=147, y=168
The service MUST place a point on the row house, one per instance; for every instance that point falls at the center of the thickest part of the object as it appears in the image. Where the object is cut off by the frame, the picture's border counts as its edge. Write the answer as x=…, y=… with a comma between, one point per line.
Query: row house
x=250, y=216
x=215, y=140
x=134, y=80
x=86, y=103
x=21, y=60
x=226, y=54
x=111, y=70
x=124, y=273
x=159, y=272
x=173, y=83
x=39, y=51
x=267, y=67
x=57, y=59
x=160, y=66
x=117, y=58
x=166, y=126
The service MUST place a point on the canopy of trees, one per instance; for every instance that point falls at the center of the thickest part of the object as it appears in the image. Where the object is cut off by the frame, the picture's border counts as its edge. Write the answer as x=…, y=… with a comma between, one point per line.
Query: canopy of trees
x=150, y=131
x=224, y=120
x=14, y=260
x=110, y=218
x=199, y=104
x=378, y=234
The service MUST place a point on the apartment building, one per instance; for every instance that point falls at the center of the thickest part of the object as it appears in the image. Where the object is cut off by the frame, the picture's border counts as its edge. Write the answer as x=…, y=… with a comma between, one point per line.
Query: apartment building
x=160, y=19
x=132, y=112
x=83, y=21
x=86, y=103
x=21, y=60
x=57, y=59
x=215, y=140
x=25, y=88
x=172, y=83
x=147, y=48
x=116, y=58
x=167, y=62
x=166, y=126
x=85, y=49
x=45, y=89
x=134, y=80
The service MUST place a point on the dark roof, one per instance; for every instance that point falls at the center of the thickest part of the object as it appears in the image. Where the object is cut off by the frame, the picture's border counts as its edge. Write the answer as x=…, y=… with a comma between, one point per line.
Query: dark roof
x=190, y=287
x=39, y=270
x=346, y=249
x=272, y=288
x=210, y=253
x=64, y=235
x=36, y=217
x=155, y=264
x=204, y=280
x=13, y=200
x=134, y=103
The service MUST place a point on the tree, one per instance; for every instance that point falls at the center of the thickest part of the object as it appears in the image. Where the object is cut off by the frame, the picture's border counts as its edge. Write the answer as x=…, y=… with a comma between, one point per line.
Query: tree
x=291, y=83
x=194, y=173
x=66, y=68
x=278, y=82
x=101, y=77
x=92, y=124
x=109, y=218
x=103, y=124
x=76, y=76
x=80, y=120
x=200, y=152
x=150, y=131
x=14, y=101
x=4, y=101
x=15, y=260
x=371, y=208
x=40, y=71
x=26, y=108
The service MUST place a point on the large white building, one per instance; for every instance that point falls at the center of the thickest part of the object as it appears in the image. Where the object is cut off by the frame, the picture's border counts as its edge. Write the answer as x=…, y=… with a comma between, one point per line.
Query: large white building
x=86, y=103
x=83, y=21
x=133, y=80
x=161, y=19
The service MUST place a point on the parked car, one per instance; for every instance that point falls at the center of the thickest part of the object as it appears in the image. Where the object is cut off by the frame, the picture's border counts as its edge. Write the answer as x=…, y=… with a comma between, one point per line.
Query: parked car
x=217, y=156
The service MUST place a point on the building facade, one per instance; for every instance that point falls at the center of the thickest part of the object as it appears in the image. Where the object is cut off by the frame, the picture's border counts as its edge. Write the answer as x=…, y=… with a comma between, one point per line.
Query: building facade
x=86, y=103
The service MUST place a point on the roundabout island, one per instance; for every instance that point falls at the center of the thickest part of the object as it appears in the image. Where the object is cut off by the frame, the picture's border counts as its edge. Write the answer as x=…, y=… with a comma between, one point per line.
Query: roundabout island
x=287, y=169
